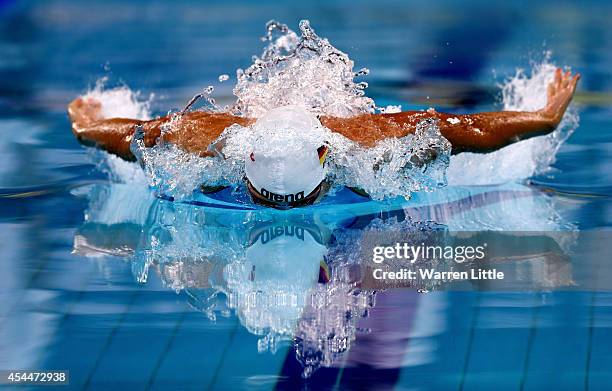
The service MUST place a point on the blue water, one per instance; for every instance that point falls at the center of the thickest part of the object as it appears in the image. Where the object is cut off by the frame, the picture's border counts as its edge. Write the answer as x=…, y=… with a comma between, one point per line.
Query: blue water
x=127, y=291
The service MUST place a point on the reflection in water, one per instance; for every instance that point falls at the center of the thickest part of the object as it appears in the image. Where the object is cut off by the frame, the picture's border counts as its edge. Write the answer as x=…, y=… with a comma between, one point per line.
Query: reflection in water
x=301, y=278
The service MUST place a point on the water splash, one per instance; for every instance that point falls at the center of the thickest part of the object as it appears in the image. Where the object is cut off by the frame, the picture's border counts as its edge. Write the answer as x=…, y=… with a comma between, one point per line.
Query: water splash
x=306, y=71
x=121, y=101
x=525, y=91
x=117, y=169
x=172, y=172
x=393, y=167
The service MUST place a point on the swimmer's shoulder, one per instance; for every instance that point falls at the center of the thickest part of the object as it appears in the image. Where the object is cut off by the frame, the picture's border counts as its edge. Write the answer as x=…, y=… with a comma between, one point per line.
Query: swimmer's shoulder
x=368, y=129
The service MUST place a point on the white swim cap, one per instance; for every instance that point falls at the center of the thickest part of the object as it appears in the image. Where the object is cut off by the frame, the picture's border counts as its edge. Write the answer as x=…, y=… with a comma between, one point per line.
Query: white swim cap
x=285, y=163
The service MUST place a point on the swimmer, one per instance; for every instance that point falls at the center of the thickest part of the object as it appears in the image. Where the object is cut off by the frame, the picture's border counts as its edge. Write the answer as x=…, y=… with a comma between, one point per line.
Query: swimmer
x=195, y=131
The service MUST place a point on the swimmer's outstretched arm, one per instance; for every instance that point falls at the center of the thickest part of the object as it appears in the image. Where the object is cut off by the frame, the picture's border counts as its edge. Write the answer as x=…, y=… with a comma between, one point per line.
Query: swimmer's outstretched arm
x=193, y=131
x=480, y=132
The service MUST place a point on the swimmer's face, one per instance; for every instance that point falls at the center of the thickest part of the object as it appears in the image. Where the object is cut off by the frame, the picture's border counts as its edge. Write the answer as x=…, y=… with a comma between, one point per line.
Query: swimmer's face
x=278, y=201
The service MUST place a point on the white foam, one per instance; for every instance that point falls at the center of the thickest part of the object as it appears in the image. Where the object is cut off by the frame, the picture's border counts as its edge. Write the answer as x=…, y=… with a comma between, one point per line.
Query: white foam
x=522, y=92
x=120, y=102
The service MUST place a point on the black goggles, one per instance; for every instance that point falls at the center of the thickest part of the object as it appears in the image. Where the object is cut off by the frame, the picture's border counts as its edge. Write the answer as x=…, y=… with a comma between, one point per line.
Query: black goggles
x=261, y=199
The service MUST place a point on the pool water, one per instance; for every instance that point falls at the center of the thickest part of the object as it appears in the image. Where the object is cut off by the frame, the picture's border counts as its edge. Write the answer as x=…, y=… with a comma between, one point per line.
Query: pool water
x=125, y=290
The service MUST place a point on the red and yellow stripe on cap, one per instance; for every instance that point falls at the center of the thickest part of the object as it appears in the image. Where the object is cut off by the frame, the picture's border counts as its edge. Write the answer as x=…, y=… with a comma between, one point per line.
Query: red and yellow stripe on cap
x=322, y=151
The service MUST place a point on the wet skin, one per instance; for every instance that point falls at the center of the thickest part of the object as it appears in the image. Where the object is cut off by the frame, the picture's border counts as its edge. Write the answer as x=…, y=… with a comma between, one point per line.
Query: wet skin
x=195, y=131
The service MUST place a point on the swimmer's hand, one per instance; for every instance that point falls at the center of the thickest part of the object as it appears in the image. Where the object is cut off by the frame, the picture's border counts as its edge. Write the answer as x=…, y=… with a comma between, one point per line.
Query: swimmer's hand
x=91, y=129
x=84, y=111
x=560, y=93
